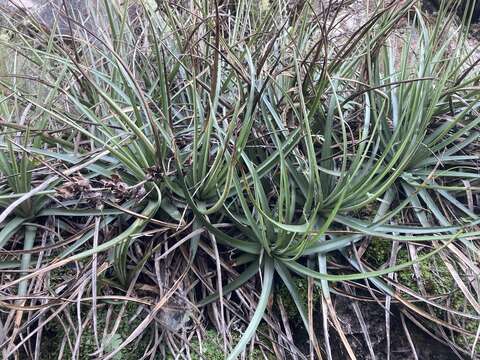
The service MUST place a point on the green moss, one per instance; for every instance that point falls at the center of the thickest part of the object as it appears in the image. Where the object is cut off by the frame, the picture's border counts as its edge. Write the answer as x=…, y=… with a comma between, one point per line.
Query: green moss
x=378, y=251
x=466, y=341
x=290, y=306
x=433, y=272
x=459, y=303
x=54, y=334
x=435, y=275
x=212, y=347
x=437, y=280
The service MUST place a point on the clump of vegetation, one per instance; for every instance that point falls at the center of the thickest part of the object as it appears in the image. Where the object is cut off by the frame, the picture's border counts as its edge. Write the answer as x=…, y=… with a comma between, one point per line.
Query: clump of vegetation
x=192, y=162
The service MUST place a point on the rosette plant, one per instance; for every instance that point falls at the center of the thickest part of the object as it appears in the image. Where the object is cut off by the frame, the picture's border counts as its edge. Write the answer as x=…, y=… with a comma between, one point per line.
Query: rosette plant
x=249, y=125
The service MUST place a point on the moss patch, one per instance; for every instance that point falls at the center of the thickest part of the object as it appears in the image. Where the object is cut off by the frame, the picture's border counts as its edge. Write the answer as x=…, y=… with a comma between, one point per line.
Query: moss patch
x=290, y=306
x=212, y=347
x=54, y=334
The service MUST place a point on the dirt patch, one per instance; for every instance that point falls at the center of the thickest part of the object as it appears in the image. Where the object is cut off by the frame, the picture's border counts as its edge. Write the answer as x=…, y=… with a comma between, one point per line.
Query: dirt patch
x=400, y=348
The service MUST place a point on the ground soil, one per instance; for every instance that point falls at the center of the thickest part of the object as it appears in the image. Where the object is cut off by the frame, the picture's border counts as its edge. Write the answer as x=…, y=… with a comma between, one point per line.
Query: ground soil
x=374, y=316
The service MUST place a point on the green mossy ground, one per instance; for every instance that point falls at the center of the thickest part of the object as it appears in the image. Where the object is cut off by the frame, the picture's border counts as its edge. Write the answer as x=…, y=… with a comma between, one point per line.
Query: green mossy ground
x=435, y=275
x=290, y=306
x=212, y=347
x=436, y=279
x=53, y=336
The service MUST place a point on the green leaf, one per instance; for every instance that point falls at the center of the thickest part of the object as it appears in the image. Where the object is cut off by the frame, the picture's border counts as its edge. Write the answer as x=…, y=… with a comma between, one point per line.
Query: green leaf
x=267, y=280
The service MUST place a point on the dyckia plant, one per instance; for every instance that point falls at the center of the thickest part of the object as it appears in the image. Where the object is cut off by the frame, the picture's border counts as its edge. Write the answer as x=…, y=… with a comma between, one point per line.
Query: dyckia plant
x=155, y=129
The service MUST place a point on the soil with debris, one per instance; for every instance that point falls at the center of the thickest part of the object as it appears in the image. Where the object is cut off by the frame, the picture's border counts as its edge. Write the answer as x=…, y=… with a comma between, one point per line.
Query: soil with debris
x=403, y=344
x=374, y=316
